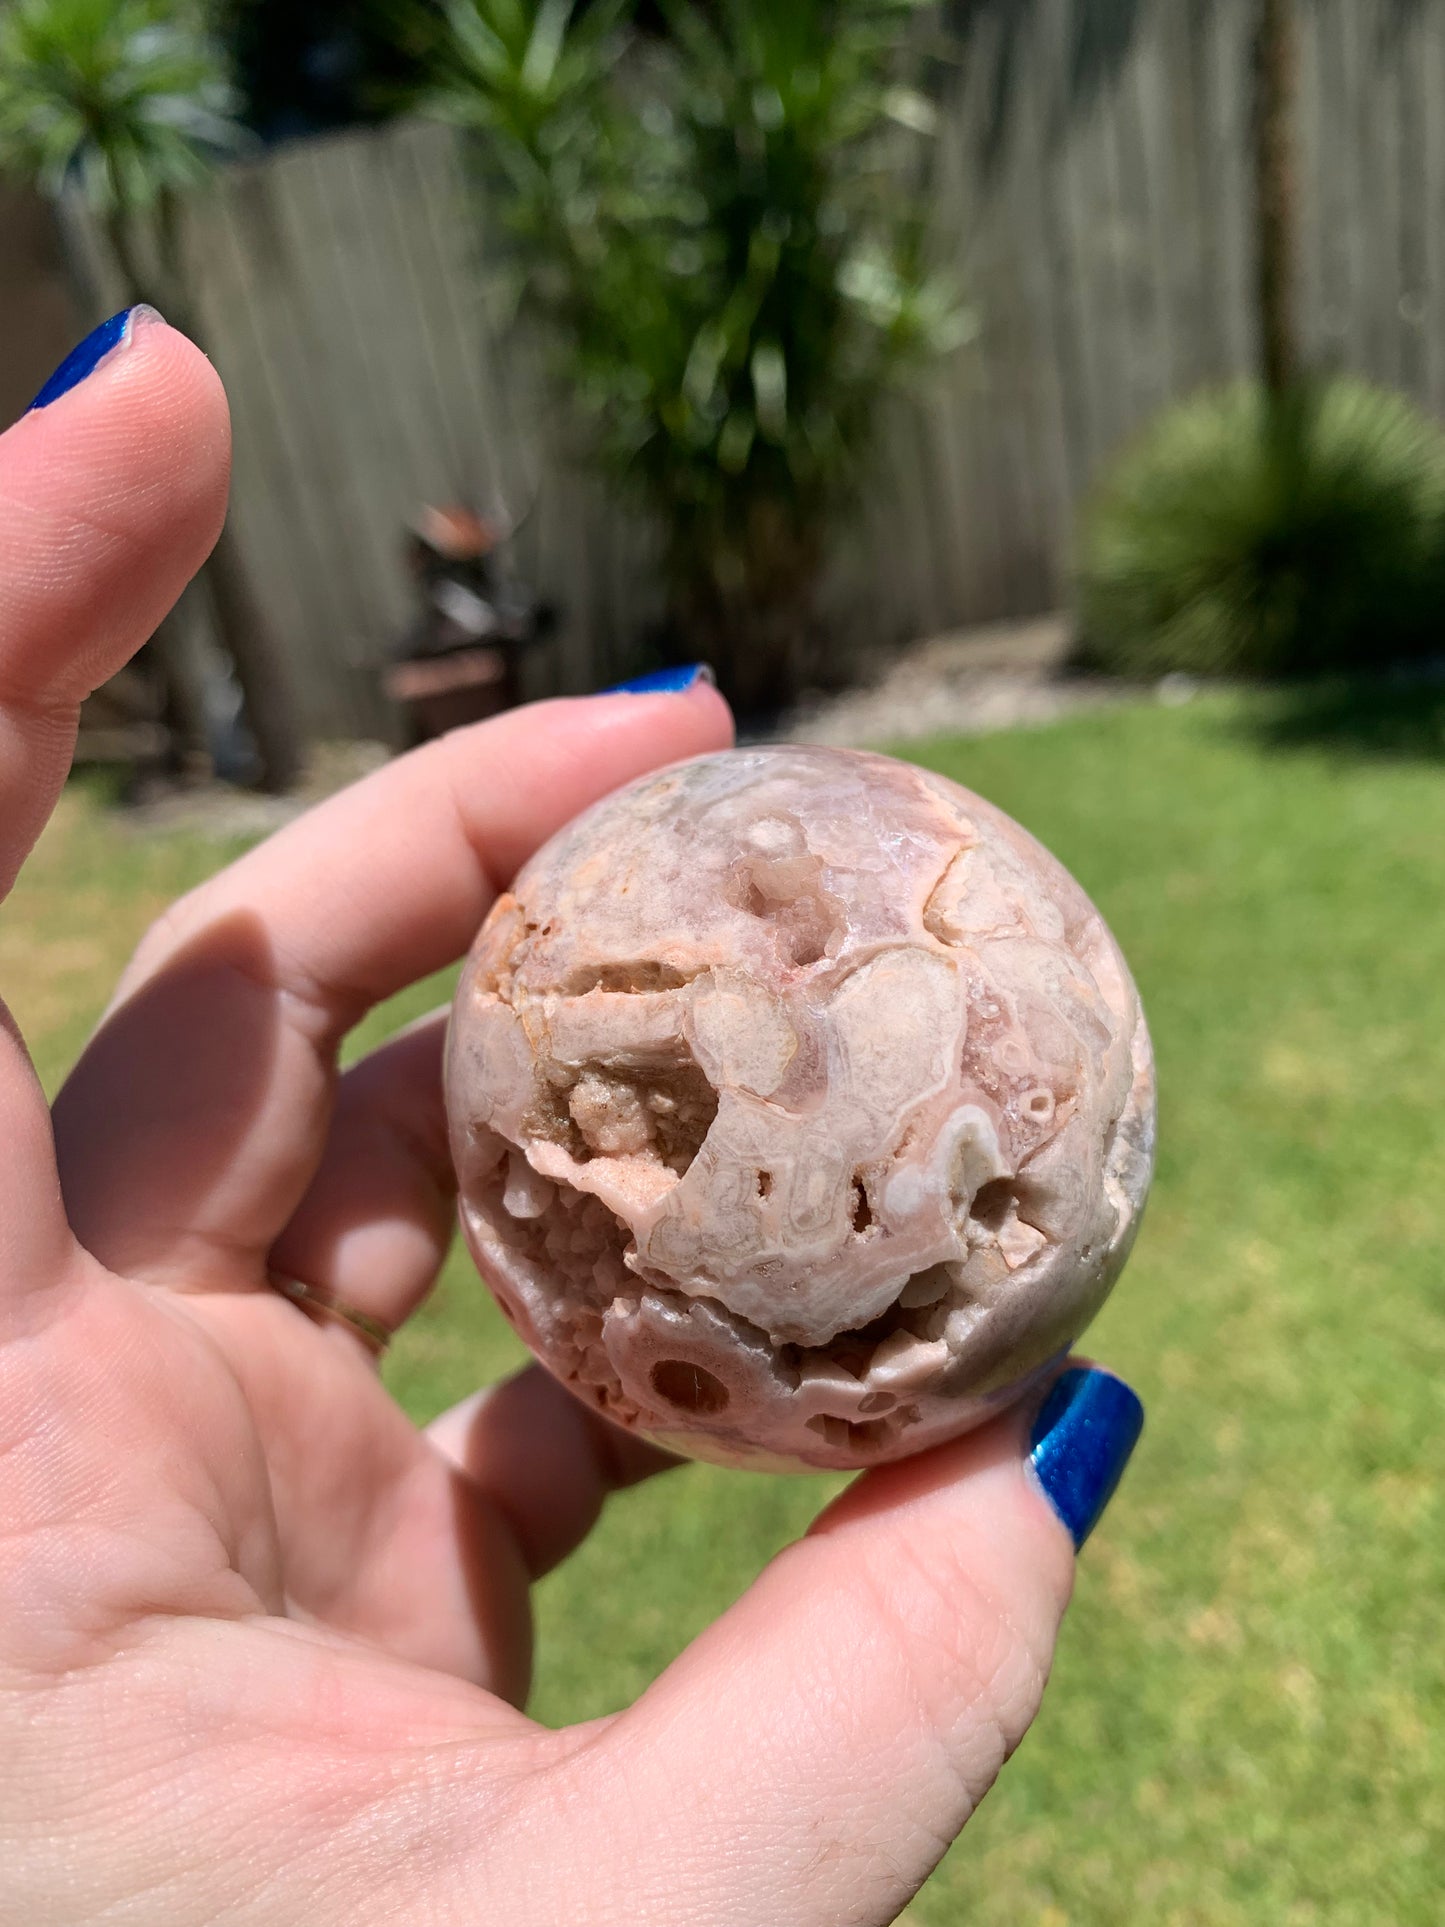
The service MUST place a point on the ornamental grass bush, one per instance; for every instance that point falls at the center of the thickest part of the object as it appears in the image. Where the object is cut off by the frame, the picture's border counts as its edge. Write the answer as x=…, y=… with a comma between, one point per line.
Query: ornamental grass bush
x=1252, y=534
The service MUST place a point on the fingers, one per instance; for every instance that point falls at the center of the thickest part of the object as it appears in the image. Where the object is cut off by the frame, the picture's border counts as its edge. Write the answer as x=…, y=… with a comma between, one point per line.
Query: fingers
x=191, y=1128
x=109, y=501
x=543, y=1460
x=391, y=879
x=808, y=1760
x=376, y=1222
x=34, y=1237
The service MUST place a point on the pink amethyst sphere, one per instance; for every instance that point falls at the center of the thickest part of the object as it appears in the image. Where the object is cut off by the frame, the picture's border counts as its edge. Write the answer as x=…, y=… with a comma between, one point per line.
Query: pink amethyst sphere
x=802, y=1107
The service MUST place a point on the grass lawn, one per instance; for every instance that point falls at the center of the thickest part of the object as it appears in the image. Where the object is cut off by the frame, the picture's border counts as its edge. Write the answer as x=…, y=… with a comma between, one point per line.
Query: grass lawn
x=1247, y=1719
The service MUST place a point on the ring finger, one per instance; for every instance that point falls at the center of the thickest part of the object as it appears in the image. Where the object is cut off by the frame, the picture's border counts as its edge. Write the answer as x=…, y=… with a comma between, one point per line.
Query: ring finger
x=375, y=1224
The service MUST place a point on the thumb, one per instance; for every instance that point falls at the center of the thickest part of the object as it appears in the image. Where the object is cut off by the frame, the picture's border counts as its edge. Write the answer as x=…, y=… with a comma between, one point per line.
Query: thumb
x=809, y=1759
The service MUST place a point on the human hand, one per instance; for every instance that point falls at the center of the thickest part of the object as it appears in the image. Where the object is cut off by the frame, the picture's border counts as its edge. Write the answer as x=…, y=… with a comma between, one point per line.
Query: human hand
x=262, y=1643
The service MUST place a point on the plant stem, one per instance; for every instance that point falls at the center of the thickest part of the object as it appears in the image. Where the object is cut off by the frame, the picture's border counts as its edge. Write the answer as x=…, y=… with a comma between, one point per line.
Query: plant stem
x=1276, y=72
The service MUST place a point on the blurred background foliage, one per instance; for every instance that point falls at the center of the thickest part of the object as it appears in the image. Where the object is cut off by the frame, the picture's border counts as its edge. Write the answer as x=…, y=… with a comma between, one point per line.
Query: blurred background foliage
x=1248, y=534
x=716, y=213
x=713, y=222
x=128, y=101
x=304, y=66
x=720, y=232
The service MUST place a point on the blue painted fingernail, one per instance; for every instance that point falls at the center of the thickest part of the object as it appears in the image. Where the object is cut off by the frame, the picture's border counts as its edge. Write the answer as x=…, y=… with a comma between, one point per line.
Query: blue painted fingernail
x=1082, y=1439
x=664, y=682
x=85, y=359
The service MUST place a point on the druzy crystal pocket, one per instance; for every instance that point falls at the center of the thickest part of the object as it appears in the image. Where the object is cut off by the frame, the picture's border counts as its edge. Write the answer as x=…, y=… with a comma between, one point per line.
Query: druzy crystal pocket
x=802, y=1107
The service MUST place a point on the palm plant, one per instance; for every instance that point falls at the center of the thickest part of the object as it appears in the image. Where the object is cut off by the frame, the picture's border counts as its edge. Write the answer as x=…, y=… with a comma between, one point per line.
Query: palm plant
x=717, y=231
x=127, y=104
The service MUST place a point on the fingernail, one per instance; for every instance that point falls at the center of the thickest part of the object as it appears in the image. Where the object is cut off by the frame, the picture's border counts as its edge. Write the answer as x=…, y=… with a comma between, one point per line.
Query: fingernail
x=1082, y=1439
x=664, y=682
x=85, y=359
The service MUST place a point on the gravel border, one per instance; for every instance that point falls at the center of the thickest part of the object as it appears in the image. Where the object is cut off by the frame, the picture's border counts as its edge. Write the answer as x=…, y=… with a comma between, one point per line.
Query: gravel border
x=968, y=683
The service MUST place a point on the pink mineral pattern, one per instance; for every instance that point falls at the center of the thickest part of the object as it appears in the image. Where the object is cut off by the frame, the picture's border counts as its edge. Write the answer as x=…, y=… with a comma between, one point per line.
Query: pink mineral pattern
x=802, y=1107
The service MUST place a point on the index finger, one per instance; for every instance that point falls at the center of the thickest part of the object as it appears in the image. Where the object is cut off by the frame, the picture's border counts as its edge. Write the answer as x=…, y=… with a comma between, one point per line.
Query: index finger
x=110, y=496
x=192, y=1125
x=390, y=880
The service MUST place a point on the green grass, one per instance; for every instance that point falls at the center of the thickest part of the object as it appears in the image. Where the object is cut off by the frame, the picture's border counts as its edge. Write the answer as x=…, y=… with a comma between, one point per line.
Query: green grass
x=1247, y=1720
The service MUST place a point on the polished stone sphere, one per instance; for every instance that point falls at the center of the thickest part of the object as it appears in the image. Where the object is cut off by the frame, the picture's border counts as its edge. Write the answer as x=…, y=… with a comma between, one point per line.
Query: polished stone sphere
x=802, y=1107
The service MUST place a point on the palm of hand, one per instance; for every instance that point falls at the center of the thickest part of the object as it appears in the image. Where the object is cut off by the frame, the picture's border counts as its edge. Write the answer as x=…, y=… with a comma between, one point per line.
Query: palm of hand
x=178, y=1666
x=278, y=1445
x=260, y=1639
x=247, y=1537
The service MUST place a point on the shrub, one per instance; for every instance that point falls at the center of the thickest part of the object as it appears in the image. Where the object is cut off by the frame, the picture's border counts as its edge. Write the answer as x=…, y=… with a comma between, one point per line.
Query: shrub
x=1248, y=535
x=723, y=234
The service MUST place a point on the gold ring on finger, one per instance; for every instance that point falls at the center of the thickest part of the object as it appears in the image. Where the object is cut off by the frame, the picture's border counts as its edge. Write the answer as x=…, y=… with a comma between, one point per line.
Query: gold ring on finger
x=321, y=1306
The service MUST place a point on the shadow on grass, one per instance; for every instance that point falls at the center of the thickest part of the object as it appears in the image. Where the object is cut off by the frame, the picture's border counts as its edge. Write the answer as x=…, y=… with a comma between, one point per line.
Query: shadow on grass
x=1376, y=719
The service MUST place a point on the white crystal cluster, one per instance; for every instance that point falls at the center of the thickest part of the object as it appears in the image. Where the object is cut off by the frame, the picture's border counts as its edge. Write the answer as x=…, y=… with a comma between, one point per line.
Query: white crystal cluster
x=802, y=1107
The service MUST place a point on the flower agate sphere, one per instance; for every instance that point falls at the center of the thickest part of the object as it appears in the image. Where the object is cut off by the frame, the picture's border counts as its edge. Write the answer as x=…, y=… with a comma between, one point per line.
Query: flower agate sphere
x=802, y=1107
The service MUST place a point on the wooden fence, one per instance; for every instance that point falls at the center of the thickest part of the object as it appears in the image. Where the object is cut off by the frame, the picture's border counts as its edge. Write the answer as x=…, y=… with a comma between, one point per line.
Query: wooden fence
x=1104, y=242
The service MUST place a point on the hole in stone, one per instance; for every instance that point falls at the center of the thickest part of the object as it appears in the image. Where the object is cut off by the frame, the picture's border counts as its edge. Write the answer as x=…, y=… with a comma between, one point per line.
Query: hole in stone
x=576, y=1237
x=854, y=1350
x=850, y=1435
x=876, y=1404
x=992, y=1203
x=664, y=1114
x=788, y=894
x=1040, y=1104
x=633, y=978
x=688, y=1387
x=862, y=1210
x=765, y=1183
x=927, y=1287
